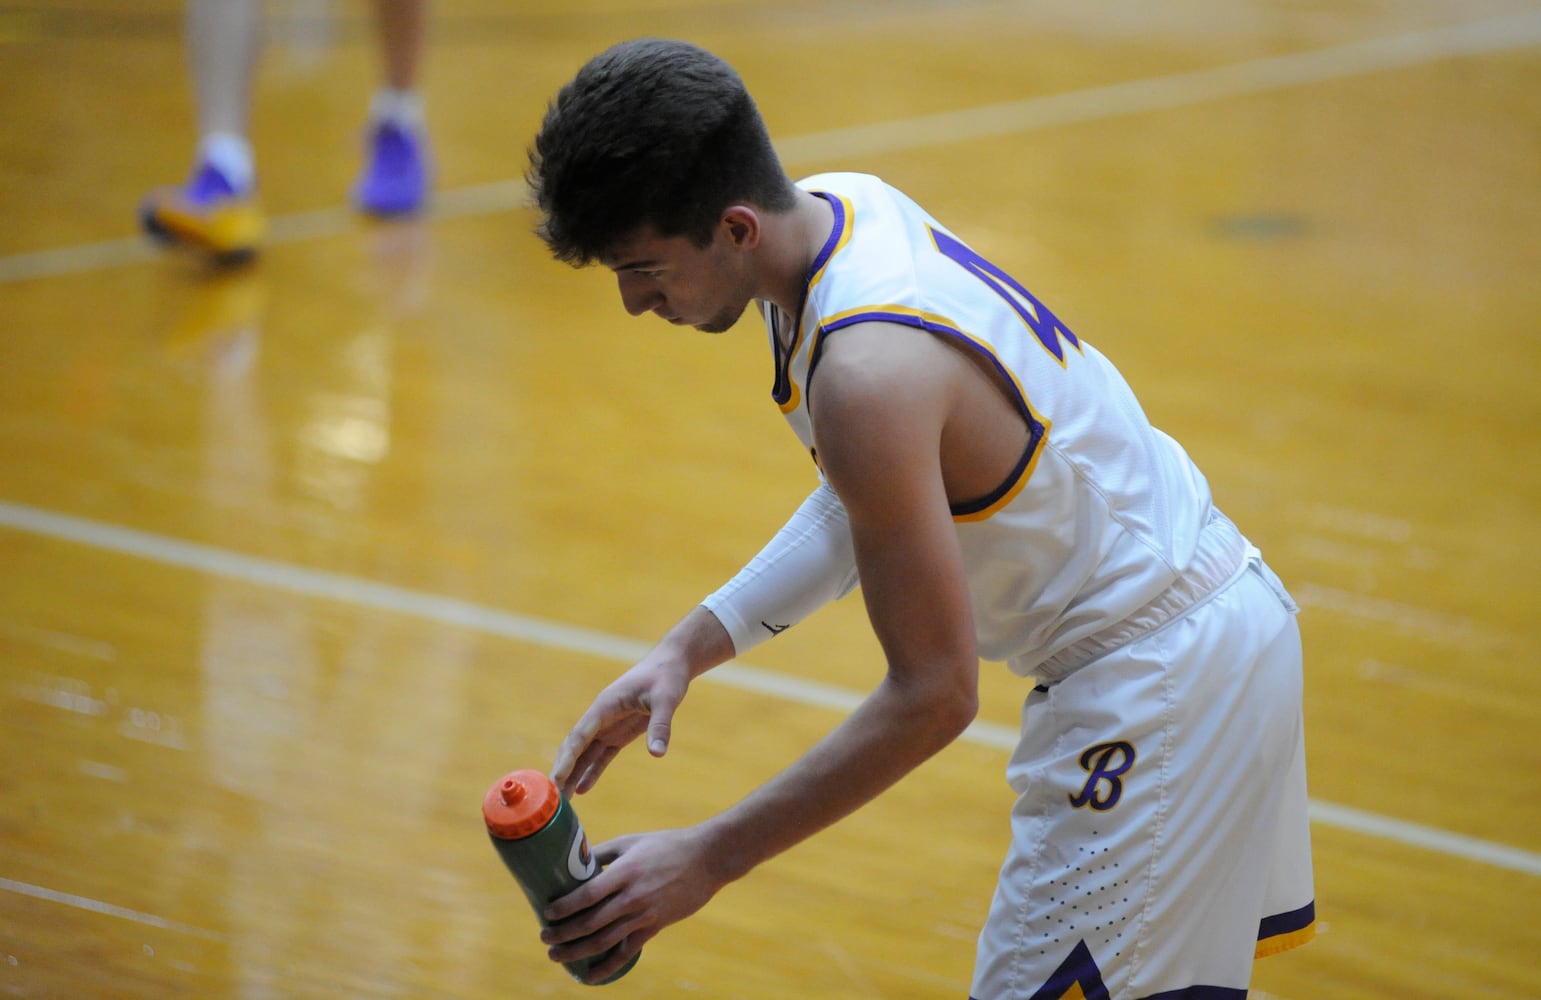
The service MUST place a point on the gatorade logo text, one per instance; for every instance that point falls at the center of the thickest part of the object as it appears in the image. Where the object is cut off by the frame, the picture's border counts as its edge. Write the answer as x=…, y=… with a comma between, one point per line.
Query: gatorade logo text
x=1106, y=764
x=580, y=862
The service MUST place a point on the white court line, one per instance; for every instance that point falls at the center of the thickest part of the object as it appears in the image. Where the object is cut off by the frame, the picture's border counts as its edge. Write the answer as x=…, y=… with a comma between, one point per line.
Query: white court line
x=1160, y=93
x=852, y=143
x=464, y=614
x=97, y=906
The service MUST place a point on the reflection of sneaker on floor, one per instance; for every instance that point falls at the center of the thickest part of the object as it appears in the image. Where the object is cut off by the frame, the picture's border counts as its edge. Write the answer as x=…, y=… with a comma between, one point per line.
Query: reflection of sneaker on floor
x=210, y=310
x=208, y=212
x=395, y=178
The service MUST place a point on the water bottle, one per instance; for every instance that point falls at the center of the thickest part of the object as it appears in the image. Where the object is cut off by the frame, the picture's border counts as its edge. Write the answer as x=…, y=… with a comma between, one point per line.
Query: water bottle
x=539, y=838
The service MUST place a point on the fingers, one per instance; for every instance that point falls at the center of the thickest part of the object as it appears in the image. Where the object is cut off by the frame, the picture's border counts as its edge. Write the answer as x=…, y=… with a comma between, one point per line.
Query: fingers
x=610, y=944
x=593, y=767
x=632, y=706
x=606, y=923
x=588, y=749
x=578, y=901
x=587, y=934
x=591, y=893
x=567, y=754
x=646, y=883
x=614, y=960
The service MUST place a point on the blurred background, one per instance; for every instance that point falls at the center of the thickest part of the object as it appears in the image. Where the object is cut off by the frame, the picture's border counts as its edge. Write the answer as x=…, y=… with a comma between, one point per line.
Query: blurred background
x=298, y=556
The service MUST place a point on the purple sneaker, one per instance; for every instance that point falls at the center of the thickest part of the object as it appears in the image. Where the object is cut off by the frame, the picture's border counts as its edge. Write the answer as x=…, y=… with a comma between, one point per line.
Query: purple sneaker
x=395, y=180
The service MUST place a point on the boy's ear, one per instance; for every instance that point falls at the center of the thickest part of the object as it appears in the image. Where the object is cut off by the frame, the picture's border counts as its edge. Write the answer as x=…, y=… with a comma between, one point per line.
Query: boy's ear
x=741, y=226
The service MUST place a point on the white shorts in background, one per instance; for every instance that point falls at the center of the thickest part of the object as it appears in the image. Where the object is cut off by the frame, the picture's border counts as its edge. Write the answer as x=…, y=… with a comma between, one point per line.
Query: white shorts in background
x=1160, y=838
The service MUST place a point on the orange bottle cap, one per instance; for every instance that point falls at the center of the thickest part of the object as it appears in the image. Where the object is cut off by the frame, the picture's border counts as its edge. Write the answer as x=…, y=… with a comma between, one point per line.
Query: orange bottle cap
x=519, y=804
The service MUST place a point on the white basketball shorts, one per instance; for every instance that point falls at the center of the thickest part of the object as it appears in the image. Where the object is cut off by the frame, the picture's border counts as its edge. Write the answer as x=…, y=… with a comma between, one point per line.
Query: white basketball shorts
x=1160, y=839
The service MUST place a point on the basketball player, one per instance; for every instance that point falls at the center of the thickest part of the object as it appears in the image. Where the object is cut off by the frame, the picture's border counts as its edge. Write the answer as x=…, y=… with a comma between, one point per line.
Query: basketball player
x=989, y=479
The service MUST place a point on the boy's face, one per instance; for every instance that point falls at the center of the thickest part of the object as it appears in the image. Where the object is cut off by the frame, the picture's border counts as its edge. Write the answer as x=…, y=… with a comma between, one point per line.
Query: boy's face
x=707, y=288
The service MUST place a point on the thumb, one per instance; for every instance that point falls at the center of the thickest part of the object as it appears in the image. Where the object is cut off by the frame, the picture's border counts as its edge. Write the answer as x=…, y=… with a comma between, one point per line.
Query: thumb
x=610, y=851
x=659, y=726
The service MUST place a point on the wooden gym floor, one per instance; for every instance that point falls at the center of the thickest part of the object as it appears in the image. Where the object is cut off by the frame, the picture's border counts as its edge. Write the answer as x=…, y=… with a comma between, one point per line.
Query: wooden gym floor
x=298, y=558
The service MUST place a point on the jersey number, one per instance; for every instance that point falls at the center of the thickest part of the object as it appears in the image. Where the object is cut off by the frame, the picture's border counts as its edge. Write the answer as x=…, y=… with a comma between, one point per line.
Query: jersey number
x=1051, y=333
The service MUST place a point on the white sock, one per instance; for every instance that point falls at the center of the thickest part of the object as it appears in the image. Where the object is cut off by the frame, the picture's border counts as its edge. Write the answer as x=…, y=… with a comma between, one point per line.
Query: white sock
x=231, y=155
x=399, y=107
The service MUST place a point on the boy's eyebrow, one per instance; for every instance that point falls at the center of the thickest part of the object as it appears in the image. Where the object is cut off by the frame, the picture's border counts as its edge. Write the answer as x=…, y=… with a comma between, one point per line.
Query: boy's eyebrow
x=634, y=265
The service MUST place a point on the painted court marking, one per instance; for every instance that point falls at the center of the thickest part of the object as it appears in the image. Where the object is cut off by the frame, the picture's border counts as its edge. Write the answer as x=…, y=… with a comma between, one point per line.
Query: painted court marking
x=1157, y=93
x=107, y=909
x=443, y=610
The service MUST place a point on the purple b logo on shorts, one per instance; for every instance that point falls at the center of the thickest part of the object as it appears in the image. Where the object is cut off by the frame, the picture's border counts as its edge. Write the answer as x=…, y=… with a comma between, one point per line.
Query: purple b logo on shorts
x=1105, y=764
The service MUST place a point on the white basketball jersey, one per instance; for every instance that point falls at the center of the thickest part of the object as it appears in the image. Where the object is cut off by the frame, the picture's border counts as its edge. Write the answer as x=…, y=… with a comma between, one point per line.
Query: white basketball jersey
x=1103, y=514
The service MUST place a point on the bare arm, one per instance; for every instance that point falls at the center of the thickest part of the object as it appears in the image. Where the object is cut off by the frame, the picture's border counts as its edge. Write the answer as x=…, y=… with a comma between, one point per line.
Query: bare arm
x=881, y=406
x=880, y=410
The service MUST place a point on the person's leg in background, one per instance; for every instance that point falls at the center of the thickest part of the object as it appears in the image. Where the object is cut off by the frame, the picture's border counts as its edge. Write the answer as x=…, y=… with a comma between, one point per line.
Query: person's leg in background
x=397, y=169
x=217, y=208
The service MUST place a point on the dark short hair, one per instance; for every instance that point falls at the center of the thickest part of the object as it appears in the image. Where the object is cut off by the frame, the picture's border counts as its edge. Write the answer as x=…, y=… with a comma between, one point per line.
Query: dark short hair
x=655, y=133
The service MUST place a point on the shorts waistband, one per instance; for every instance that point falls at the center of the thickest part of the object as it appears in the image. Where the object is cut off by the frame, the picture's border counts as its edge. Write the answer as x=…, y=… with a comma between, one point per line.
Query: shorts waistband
x=1222, y=555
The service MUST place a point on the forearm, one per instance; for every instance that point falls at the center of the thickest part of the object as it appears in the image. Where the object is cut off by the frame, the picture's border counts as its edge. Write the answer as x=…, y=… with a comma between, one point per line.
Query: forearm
x=807, y=564
x=898, y=727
